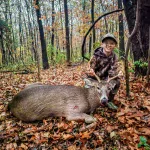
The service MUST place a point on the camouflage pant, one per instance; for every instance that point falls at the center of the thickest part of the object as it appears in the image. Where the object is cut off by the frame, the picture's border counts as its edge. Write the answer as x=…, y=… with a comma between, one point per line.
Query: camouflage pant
x=113, y=92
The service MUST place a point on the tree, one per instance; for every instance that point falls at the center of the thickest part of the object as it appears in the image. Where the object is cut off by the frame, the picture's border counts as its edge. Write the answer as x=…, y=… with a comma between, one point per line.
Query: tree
x=31, y=32
x=140, y=41
x=67, y=30
x=3, y=27
x=52, y=39
x=121, y=30
x=103, y=9
x=41, y=31
x=92, y=16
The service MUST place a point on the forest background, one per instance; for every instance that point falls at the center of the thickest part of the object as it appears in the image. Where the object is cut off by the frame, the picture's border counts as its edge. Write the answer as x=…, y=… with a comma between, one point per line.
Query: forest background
x=53, y=31
x=49, y=34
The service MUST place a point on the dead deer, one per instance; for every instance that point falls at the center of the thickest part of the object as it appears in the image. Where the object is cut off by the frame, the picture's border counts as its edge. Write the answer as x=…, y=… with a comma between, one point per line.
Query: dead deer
x=38, y=101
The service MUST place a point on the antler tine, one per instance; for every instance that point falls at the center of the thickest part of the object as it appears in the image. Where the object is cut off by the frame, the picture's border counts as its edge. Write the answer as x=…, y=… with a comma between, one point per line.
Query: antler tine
x=109, y=79
x=98, y=79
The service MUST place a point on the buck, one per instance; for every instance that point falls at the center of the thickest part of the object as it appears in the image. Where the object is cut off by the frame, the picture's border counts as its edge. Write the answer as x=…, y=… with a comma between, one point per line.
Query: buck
x=38, y=101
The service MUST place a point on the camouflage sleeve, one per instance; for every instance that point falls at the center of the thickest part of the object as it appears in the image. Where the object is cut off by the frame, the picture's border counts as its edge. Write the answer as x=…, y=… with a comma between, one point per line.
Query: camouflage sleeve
x=93, y=63
x=114, y=70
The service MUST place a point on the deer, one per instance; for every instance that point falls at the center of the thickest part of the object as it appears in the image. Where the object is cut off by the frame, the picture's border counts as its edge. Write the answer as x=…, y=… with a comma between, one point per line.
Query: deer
x=38, y=101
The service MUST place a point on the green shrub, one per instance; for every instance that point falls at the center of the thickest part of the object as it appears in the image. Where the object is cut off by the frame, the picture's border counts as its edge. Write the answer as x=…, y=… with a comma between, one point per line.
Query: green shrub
x=59, y=56
x=143, y=143
x=140, y=64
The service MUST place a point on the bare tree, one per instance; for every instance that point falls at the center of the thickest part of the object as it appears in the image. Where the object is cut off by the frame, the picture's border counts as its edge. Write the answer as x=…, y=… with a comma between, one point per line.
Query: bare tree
x=67, y=30
x=53, y=35
x=121, y=31
x=41, y=31
x=140, y=40
x=92, y=16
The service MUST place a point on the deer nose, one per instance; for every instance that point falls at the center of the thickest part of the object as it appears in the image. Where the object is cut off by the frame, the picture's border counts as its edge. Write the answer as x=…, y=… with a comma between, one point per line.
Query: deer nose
x=104, y=101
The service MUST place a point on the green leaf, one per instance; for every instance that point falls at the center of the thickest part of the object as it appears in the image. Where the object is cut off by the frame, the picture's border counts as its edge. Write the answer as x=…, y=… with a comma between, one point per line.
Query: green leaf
x=139, y=145
x=143, y=140
x=112, y=106
x=147, y=148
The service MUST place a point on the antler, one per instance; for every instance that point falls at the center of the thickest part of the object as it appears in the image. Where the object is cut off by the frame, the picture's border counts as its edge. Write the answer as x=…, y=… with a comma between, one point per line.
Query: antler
x=109, y=79
x=119, y=75
x=97, y=77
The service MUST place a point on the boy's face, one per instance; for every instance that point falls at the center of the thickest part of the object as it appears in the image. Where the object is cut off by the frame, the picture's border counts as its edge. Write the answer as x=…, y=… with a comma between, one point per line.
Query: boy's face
x=108, y=45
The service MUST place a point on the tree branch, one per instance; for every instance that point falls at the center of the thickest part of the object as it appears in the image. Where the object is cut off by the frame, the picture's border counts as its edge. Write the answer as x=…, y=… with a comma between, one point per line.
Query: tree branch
x=84, y=40
x=148, y=69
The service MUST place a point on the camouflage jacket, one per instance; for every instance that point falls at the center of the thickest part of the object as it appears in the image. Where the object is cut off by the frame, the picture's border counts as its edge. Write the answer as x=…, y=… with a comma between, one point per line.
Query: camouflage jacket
x=104, y=66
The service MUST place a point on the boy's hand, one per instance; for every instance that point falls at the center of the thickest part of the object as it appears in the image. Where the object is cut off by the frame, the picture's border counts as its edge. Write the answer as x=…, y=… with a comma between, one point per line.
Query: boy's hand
x=120, y=74
x=91, y=72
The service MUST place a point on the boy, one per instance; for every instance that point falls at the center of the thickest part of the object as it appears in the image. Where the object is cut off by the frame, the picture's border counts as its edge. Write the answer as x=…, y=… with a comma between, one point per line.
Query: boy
x=104, y=64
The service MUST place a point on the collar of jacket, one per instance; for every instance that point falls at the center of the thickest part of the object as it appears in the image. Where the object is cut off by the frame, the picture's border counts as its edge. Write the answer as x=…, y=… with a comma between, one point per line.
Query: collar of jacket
x=99, y=52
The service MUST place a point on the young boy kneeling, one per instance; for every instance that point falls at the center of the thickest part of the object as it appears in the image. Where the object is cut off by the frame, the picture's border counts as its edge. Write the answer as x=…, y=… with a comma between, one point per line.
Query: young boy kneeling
x=104, y=63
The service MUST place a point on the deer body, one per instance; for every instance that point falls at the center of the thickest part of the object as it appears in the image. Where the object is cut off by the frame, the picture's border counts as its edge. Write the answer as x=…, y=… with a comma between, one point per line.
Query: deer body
x=40, y=101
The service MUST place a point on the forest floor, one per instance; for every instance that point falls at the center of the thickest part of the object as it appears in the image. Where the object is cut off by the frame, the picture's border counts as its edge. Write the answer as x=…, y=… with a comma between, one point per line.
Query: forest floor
x=119, y=130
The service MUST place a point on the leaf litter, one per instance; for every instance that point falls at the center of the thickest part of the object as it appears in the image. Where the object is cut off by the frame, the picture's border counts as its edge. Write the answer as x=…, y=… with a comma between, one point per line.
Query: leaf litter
x=114, y=130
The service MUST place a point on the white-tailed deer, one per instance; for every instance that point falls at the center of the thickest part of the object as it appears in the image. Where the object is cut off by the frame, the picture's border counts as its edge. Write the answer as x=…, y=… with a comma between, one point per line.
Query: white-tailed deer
x=39, y=101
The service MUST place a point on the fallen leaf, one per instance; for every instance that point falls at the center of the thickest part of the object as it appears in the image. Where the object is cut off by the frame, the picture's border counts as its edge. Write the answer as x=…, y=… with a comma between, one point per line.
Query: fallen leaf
x=86, y=135
x=73, y=147
x=67, y=136
x=23, y=146
x=110, y=128
x=112, y=134
x=144, y=131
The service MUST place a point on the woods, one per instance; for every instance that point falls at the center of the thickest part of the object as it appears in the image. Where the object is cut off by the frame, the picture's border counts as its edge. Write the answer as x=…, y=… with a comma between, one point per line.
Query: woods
x=53, y=30
x=58, y=33
x=27, y=36
x=49, y=43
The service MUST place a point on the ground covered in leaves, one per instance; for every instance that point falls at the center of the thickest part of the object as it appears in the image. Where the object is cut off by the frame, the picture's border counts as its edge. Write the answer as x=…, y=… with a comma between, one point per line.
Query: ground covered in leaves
x=119, y=130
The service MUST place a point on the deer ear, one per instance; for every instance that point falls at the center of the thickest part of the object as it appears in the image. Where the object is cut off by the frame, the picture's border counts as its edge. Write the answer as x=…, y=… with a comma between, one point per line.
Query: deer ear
x=112, y=84
x=89, y=83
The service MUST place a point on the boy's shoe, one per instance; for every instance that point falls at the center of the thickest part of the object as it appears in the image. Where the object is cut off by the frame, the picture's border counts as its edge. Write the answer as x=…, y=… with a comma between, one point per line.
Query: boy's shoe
x=112, y=106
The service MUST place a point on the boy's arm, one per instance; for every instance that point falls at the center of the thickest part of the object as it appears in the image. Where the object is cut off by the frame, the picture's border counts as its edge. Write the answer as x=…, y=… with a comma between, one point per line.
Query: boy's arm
x=114, y=69
x=92, y=63
x=92, y=66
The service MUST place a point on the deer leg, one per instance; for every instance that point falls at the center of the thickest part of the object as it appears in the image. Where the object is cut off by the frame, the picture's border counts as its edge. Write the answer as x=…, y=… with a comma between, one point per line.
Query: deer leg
x=80, y=116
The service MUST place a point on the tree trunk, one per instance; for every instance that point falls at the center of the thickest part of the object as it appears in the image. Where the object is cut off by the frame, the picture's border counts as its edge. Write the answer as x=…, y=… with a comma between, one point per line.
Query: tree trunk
x=148, y=69
x=13, y=45
x=20, y=30
x=5, y=43
x=61, y=22
x=71, y=34
x=121, y=31
x=83, y=4
x=43, y=43
x=90, y=45
x=34, y=53
x=52, y=39
x=139, y=41
x=67, y=30
x=2, y=47
x=92, y=16
x=103, y=10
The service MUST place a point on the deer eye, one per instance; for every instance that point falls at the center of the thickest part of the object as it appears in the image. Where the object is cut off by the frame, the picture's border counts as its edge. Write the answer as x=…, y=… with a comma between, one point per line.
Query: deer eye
x=98, y=88
x=109, y=88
